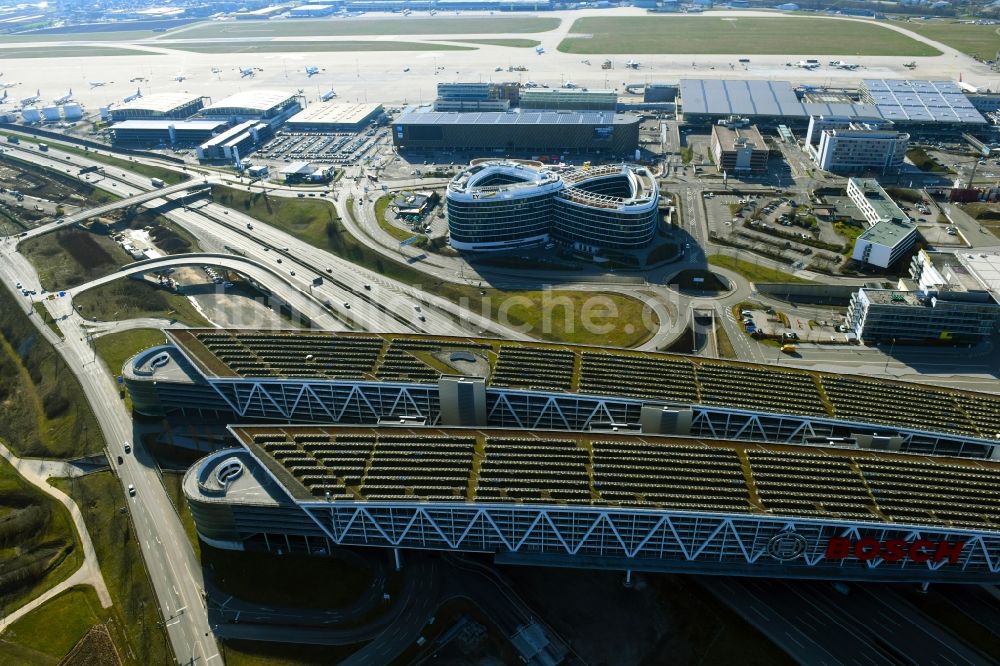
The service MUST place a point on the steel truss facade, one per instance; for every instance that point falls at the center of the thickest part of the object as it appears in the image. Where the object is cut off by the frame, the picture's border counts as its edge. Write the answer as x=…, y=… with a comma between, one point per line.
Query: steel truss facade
x=373, y=402
x=651, y=540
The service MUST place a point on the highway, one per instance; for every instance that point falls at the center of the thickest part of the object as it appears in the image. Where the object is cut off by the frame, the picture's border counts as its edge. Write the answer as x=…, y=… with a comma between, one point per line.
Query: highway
x=175, y=572
x=870, y=626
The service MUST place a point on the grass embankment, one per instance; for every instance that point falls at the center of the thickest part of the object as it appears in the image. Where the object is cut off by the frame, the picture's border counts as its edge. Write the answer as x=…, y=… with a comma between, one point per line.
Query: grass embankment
x=555, y=315
x=50, y=183
x=43, y=411
x=925, y=162
x=754, y=272
x=850, y=234
x=302, y=581
x=172, y=482
x=71, y=52
x=361, y=27
x=131, y=299
x=979, y=41
x=70, y=257
x=134, y=615
x=47, y=318
x=116, y=348
x=38, y=545
x=776, y=35
x=381, y=206
x=255, y=653
x=47, y=634
x=987, y=214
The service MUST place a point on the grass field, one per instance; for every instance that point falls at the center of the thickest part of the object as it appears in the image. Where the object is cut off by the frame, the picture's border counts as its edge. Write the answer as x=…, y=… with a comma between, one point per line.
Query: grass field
x=42, y=408
x=70, y=52
x=70, y=257
x=116, y=348
x=381, y=206
x=135, y=618
x=309, y=47
x=172, y=482
x=550, y=315
x=108, y=36
x=256, y=653
x=752, y=271
x=48, y=633
x=743, y=36
x=982, y=41
x=38, y=546
x=131, y=299
x=513, y=43
x=369, y=27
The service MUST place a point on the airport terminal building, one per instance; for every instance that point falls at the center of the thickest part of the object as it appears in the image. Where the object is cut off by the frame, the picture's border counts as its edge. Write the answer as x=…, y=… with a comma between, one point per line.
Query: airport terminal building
x=508, y=205
x=561, y=455
x=559, y=132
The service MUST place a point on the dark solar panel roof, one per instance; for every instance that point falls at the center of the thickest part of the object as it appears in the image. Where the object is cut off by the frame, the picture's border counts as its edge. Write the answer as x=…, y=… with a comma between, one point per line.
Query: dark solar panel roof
x=922, y=101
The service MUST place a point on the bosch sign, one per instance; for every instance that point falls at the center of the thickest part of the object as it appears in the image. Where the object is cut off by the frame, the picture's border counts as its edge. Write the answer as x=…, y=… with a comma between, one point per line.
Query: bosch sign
x=894, y=550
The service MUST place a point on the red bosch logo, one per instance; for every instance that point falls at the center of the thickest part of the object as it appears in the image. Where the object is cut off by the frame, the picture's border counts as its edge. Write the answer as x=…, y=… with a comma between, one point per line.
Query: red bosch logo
x=894, y=550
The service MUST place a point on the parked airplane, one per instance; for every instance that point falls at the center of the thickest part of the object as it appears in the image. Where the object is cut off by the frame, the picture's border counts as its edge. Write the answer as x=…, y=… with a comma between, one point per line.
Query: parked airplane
x=136, y=95
x=3, y=100
x=246, y=72
x=632, y=64
x=4, y=86
x=310, y=70
x=180, y=77
x=840, y=64
x=805, y=64
x=570, y=85
x=539, y=50
x=31, y=100
x=64, y=99
x=98, y=84
x=216, y=70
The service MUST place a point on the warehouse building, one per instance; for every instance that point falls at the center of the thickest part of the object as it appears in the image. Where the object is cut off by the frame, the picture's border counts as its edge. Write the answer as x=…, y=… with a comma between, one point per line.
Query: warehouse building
x=739, y=149
x=270, y=106
x=601, y=132
x=470, y=96
x=165, y=132
x=235, y=143
x=313, y=11
x=855, y=145
x=159, y=106
x=334, y=117
x=569, y=99
x=304, y=172
x=890, y=234
x=764, y=103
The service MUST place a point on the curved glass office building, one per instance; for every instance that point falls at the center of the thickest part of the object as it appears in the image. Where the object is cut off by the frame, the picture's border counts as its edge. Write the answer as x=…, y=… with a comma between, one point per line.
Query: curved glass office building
x=506, y=205
x=501, y=205
x=607, y=207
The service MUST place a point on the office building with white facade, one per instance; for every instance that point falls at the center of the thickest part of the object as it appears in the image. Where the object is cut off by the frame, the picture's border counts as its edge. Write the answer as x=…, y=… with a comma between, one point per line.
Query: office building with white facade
x=890, y=233
x=842, y=144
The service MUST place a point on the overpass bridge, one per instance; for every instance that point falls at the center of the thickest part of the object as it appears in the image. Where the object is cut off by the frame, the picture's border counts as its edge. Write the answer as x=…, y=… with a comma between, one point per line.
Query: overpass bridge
x=295, y=297
x=193, y=185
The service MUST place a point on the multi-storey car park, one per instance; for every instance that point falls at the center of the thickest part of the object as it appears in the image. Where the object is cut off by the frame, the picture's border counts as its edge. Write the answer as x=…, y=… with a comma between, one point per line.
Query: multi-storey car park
x=359, y=378
x=603, y=499
x=502, y=205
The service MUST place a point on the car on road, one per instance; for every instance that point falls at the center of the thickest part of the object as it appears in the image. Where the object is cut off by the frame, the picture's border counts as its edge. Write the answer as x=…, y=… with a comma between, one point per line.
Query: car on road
x=249, y=226
x=128, y=448
x=120, y=460
x=347, y=305
x=131, y=490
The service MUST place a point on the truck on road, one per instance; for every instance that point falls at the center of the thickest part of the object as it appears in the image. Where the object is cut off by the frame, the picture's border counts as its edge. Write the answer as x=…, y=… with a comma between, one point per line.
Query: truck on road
x=157, y=182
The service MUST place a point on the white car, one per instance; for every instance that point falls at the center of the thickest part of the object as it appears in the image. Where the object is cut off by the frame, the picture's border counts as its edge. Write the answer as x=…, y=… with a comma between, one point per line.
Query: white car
x=131, y=490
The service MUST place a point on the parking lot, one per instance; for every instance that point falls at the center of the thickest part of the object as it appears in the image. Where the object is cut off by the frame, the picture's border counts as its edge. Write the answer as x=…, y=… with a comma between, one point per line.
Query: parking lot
x=337, y=148
x=780, y=228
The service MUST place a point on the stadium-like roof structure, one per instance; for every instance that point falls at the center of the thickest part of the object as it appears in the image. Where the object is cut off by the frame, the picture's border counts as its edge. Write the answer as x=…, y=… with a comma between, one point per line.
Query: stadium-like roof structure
x=563, y=369
x=453, y=465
